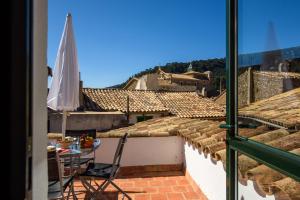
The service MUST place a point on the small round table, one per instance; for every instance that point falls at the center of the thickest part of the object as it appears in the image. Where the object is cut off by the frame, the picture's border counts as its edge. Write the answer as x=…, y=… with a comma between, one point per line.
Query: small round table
x=76, y=150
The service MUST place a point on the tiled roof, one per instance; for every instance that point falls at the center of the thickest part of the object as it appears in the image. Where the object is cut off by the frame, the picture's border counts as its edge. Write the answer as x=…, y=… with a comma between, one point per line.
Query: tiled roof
x=276, y=74
x=282, y=109
x=113, y=99
x=207, y=137
x=183, y=77
x=131, y=82
x=182, y=104
x=221, y=99
x=190, y=104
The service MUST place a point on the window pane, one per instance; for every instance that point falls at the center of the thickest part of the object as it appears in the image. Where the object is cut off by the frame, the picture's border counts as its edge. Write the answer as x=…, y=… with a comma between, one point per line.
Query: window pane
x=269, y=72
x=259, y=182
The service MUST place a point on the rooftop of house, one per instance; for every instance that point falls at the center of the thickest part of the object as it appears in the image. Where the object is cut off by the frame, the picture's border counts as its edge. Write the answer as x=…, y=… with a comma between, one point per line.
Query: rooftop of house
x=181, y=104
x=190, y=104
x=282, y=109
x=221, y=99
x=207, y=137
x=131, y=81
x=184, y=76
x=114, y=99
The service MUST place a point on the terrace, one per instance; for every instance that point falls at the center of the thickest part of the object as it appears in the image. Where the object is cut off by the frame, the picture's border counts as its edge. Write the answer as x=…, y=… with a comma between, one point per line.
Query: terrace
x=167, y=185
x=174, y=156
x=180, y=153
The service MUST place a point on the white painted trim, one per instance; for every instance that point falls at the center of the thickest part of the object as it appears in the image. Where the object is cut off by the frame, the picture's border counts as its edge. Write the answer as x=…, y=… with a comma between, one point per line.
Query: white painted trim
x=39, y=106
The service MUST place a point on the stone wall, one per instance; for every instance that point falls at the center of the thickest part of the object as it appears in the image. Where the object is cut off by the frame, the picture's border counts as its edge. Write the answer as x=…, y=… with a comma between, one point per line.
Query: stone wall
x=87, y=120
x=152, y=81
x=243, y=89
x=265, y=87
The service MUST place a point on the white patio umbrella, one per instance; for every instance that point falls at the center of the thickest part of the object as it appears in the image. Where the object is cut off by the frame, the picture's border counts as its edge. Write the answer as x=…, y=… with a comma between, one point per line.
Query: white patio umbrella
x=64, y=90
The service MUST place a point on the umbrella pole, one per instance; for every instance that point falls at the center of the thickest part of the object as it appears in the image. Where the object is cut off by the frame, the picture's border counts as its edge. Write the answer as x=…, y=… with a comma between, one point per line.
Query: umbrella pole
x=64, y=124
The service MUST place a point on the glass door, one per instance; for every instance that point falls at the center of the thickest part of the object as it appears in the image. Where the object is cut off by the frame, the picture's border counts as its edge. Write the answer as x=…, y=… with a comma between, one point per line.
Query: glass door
x=263, y=95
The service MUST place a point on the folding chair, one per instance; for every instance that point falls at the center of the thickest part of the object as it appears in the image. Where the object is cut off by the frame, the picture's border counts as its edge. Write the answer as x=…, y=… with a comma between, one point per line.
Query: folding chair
x=57, y=181
x=78, y=133
x=108, y=172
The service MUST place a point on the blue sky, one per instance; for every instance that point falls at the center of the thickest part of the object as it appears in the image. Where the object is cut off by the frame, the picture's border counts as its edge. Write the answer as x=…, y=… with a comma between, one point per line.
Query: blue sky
x=255, y=17
x=116, y=39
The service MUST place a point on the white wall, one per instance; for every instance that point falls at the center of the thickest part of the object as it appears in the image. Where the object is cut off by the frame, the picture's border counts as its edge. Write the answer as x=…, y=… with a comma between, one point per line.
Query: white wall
x=39, y=106
x=211, y=178
x=143, y=151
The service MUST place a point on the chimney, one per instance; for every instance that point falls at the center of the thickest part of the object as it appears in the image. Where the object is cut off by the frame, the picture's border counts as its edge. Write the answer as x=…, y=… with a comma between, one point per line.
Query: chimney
x=80, y=91
x=204, y=92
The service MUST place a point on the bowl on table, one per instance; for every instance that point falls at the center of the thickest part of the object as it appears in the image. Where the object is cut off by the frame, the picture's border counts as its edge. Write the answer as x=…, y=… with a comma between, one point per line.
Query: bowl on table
x=86, y=141
x=67, y=142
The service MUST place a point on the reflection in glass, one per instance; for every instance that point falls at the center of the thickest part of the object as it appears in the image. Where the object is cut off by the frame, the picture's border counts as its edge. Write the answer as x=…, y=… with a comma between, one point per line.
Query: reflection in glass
x=269, y=73
x=257, y=181
x=268, y=92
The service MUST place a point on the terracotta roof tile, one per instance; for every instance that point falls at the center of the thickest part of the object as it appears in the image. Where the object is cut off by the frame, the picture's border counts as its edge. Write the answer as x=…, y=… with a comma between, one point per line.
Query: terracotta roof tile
x=182, y=104
x=183, y=77
x=113, y=99
x=221, y=99
x=282, y=109
x=190, y=104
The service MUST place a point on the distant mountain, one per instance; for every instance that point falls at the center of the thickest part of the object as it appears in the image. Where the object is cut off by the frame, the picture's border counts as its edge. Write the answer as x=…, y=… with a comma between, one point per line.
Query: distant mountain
x=216, y=66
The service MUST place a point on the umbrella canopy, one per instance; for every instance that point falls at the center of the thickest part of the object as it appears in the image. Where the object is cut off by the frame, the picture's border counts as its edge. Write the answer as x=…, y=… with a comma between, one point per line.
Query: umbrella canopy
x=64, y=90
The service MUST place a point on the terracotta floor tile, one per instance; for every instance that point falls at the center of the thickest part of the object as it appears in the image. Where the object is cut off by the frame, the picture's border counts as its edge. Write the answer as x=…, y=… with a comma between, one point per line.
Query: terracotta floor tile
x=125, y=184
x=165, y=189
x=192, y=195
x=148, y=186
x=190, y=189
x=150, y=189
x=142, y=197
x=175, y=196
x=141, y=183
x=182, y=188
x=176, y=178
x=183, y=182
x=170, y=182
x=156, y=183
x=159, y=197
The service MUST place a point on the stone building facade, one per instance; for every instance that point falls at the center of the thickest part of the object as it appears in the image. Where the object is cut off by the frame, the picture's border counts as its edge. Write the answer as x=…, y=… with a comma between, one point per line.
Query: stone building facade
x=257, y=85
x=188, y=81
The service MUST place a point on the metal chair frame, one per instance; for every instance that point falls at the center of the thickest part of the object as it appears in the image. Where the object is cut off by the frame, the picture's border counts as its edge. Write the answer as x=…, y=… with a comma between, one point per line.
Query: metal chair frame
x=115, y=169
x=61, y=176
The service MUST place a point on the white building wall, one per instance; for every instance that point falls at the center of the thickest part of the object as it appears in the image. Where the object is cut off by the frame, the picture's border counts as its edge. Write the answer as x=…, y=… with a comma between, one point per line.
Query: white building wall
x=140, y=151
x=211, y=177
